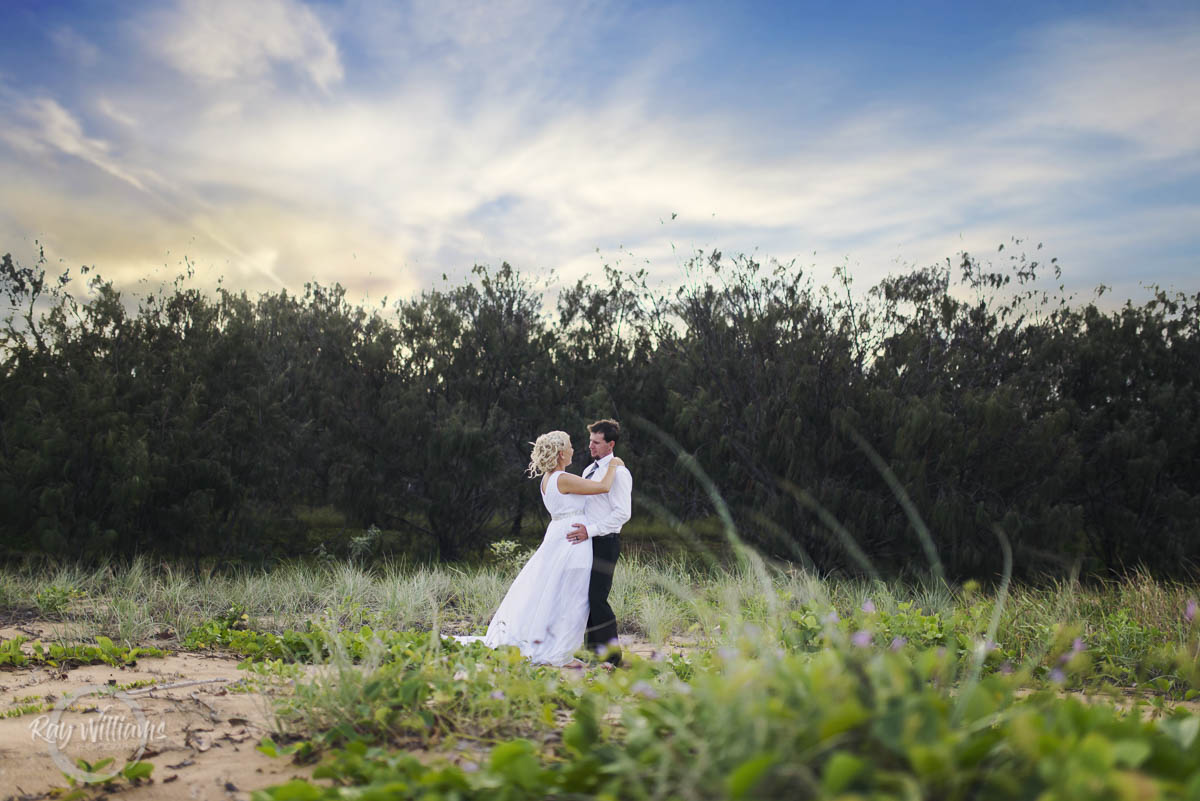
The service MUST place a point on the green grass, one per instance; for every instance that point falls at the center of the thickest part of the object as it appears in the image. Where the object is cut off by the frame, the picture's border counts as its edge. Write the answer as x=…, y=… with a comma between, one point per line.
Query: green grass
x=783, y=705
x=656, y=599
x=841, y=723
x=790, y=683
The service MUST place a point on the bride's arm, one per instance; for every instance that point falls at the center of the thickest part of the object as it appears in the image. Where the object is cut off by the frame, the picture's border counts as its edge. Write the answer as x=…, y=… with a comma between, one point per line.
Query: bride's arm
x=569, y=484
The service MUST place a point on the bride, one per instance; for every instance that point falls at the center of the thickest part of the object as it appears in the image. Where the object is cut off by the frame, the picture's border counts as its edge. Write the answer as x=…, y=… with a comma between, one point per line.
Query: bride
x=545, y=611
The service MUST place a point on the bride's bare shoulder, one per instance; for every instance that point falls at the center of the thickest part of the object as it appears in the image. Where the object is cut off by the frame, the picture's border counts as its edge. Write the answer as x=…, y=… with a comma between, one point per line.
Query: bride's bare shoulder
x=568, y=483
x=557, y=476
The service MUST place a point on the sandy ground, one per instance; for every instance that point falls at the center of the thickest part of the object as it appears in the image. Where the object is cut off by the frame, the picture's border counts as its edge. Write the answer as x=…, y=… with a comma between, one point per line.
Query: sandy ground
x=202, y=735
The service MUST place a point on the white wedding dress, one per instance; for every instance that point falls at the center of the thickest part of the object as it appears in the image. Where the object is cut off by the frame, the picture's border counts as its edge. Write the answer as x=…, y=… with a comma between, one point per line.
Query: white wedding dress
x=545, y=611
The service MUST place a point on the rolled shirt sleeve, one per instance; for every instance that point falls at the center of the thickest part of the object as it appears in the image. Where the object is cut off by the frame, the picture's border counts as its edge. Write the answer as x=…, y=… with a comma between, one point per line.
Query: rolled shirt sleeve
x=621, y=496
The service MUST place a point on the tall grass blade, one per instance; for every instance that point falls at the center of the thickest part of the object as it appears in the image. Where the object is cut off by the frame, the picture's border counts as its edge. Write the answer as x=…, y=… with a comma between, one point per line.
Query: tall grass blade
x=745, y=554
x=935, y=561
x=683, y=530
x=981, y=651
x=844, y=537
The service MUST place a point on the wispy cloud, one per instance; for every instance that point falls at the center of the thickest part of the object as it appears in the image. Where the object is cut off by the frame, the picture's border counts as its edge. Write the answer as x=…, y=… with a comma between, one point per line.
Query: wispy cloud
x=1137, y=85
x=75, y=47
x=110, y=110
x=229, y=40
x=40, y=126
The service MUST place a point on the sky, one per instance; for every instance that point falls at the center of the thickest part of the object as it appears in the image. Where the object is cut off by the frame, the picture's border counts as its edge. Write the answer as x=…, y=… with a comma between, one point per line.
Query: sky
x=386, y=144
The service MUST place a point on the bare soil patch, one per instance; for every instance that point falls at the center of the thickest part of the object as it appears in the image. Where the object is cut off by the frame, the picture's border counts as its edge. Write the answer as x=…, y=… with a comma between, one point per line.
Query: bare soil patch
x=207, y=748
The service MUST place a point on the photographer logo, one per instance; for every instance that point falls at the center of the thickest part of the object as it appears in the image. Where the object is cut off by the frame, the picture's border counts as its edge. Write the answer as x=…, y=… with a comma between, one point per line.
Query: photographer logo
x=90, y=729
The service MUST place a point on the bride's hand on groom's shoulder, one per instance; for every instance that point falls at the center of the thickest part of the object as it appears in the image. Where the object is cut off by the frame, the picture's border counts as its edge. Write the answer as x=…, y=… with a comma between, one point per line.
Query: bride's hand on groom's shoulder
x=618, y=461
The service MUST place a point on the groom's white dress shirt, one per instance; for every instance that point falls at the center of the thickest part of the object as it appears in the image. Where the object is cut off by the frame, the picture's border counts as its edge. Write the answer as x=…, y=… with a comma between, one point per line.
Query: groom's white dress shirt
x=607, y=512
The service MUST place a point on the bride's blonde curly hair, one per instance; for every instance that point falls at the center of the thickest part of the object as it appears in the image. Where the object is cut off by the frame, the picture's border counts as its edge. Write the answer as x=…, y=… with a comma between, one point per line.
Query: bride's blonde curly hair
x=544, y=457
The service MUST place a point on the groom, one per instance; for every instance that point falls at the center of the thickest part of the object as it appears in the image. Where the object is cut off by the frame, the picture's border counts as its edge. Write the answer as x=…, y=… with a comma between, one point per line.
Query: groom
x=605, y=514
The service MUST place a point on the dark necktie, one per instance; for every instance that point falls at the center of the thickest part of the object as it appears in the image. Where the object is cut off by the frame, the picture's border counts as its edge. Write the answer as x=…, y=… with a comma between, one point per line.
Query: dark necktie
x=592, y=470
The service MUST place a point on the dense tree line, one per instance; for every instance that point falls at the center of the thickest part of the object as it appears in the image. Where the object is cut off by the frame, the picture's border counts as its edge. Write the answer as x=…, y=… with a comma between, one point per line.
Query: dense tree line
x=205, y=425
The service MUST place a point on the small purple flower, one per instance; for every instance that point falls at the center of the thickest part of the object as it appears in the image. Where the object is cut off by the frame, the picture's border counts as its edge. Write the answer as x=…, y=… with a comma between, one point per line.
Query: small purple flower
x=832, y=618
x=861, y=639
x=644, y=689
x=1057, y=676
x=1006, y=668
x=1077, y=646
x=469, y=767
x=727, y=653
x=868, y=607
x=497, y=695
x=898, y=643
x=1190, y=613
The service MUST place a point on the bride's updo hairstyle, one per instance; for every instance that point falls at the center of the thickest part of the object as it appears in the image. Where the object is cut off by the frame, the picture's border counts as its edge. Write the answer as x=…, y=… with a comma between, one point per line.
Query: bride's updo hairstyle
x=545, y=452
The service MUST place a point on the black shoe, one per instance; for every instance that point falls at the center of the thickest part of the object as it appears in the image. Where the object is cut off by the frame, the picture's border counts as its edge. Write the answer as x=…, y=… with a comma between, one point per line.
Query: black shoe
x=610, y=654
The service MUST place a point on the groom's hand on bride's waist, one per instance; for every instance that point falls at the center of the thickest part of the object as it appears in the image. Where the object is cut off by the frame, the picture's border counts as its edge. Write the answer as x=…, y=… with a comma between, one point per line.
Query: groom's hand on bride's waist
x=578, y=533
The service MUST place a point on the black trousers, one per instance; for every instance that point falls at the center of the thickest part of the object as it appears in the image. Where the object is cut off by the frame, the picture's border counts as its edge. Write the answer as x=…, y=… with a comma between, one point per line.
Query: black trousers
x=602, y=623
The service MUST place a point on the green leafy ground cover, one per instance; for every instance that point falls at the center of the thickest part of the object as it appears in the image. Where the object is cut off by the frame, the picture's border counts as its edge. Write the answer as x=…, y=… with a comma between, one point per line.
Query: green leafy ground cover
x=844, y=724
x=808, y=703
x=104, y=651
x=764, y=684
x=836, y=717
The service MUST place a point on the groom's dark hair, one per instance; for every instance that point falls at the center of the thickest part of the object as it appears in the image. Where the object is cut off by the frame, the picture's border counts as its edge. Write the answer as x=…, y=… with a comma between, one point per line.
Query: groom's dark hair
x=609, y=429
